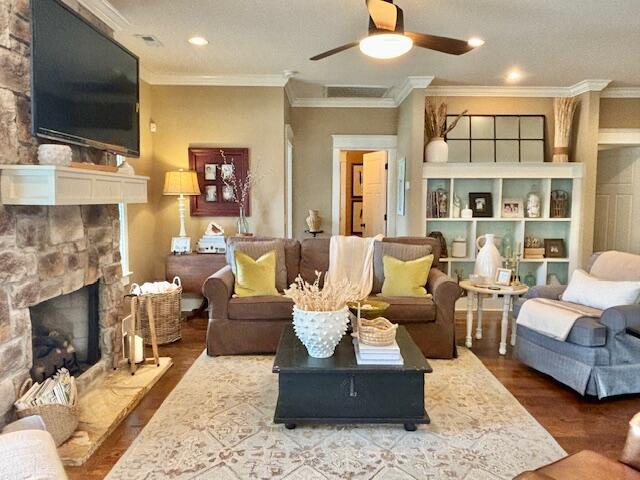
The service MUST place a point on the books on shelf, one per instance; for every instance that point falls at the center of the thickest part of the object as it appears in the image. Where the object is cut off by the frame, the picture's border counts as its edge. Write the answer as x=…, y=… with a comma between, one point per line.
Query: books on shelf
x=376, y=355
x=54, y=390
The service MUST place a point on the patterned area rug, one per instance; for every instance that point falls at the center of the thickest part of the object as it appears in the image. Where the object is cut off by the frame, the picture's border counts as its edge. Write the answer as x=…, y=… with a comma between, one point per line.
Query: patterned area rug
x=217, y=424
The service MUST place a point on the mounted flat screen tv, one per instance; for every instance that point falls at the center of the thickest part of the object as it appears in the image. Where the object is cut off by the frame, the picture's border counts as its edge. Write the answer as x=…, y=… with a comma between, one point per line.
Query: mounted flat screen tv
x=84, y=86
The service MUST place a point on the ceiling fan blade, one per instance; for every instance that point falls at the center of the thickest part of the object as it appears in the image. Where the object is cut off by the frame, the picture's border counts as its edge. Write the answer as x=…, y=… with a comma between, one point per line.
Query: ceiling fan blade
x=334, y=51
x=384, y=14
x=440, y=44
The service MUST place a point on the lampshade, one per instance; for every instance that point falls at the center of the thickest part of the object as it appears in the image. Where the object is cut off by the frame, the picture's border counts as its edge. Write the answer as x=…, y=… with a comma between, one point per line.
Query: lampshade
x=181, y=182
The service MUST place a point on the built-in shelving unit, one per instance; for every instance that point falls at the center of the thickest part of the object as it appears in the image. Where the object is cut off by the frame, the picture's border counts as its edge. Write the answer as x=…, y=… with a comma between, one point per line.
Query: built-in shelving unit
x=507, y=181
x=56, y=185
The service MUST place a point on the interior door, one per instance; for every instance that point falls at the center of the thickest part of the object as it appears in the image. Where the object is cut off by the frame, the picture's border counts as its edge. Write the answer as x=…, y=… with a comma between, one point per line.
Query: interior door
x=374, y=193
x=618, y=201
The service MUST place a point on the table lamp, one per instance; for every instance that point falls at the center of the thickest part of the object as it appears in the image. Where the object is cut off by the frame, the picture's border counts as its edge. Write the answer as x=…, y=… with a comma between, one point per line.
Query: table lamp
x=181, y=182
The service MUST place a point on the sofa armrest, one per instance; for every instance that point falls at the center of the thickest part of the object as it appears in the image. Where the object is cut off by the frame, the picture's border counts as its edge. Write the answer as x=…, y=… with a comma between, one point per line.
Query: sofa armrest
x=218, y=289
x=551, y=292
x=445, y=292
x=32, y=422
x=617, y=319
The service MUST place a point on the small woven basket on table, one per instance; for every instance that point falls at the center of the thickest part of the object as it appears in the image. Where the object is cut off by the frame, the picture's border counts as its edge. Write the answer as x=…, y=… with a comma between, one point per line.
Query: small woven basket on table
x=166, y=313
x=60, y=420
x=378, y=332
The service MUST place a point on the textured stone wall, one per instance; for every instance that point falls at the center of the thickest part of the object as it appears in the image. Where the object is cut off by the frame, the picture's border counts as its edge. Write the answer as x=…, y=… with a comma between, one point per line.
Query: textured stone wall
x=45, y=251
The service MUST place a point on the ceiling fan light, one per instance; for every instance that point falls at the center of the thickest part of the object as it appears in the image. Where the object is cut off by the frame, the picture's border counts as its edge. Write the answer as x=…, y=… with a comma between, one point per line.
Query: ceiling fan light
x=385, y=45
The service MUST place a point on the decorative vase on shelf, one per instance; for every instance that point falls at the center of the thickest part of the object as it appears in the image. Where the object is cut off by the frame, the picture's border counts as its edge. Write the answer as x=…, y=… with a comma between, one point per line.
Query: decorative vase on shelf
x=243, y=224
x=314, y=221
x=125, y=168
x=320, y=332
x=533, y=203
x=437, y=151
x=488, y=259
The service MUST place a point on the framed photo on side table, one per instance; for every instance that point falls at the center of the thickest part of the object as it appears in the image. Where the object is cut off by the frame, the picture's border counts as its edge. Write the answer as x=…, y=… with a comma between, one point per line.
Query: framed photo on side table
x=503, y=277
x=181, y=245
x=481, y=204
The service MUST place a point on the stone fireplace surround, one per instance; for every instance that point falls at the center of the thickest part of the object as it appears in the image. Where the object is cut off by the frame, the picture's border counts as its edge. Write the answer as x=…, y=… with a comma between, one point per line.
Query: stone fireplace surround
x=46, y=251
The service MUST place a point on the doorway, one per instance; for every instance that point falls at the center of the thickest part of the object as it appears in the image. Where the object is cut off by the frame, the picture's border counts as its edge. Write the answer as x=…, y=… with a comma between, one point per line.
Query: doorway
x=363, y=183
x=363, y=193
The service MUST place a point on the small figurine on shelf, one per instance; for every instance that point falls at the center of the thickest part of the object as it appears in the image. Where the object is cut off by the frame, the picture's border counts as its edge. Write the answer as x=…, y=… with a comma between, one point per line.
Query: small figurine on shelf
x=457, y=207
x=533, y=203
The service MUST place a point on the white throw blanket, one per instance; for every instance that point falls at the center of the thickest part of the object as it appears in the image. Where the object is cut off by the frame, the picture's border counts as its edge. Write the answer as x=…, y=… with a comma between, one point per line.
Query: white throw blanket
x=352, y=258
x=553, y=318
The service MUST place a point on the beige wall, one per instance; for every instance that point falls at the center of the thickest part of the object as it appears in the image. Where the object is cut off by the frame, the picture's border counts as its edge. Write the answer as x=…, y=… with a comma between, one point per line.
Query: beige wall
x=250, y=117
x=313, y=156
x=411, y=147
x=142, y=217
x=620, y=113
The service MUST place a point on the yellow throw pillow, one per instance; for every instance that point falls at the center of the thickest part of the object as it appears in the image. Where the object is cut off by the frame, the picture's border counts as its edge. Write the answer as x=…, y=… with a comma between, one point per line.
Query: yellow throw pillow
x=405, y=279
x=255, y=277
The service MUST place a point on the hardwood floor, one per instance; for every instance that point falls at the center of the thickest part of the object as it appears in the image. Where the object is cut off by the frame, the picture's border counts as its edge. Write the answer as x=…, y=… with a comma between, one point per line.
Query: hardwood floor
x=576, y=423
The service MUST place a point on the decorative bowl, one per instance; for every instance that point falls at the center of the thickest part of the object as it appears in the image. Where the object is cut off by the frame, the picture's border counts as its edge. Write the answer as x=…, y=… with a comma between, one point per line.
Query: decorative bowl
x=369, y=309
x=320, y=332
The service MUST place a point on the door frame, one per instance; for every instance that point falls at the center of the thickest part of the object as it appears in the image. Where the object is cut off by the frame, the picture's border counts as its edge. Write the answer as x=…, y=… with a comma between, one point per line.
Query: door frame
x=388, y=143
x=288, y=172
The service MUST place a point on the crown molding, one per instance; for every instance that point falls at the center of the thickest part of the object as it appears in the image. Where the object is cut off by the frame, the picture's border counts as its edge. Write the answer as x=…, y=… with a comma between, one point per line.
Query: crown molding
x=621, y=92
x=107, y=13
x=409, y=85
x=517, y=91
x=355, y=102
x=214, y=80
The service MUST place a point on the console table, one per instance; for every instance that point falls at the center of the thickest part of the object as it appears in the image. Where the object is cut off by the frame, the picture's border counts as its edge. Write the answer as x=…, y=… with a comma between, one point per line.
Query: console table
x=193, y=269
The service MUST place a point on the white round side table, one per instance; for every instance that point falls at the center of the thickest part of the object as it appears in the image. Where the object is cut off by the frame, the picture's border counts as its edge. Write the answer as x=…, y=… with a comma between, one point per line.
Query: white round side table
x=507, y=293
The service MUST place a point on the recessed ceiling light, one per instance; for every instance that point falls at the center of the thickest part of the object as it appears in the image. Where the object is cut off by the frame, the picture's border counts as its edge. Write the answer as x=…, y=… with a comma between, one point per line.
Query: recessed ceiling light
x=475, y=42
x=514, y=75
x=198, y=41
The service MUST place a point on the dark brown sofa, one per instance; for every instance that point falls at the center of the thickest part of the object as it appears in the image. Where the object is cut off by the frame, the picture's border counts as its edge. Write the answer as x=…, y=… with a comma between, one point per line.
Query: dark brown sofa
x=254, y=324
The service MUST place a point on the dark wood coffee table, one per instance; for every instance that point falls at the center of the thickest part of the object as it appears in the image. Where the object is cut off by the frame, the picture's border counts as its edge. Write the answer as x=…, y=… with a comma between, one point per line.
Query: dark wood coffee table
x=338, y=390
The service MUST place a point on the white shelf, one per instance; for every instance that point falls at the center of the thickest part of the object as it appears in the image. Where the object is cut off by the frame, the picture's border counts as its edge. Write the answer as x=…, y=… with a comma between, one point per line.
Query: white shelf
x=56, y=185
x=455, y=259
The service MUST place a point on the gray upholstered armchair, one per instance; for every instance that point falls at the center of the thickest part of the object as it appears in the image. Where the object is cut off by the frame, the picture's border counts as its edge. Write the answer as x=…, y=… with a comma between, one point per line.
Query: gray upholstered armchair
x=599, y=357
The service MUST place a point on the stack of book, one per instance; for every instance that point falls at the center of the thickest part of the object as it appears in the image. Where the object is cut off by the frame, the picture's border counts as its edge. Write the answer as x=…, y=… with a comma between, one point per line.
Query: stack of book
x=212, y=244
x=374, y=355
x=56, y=389
x=534, y=253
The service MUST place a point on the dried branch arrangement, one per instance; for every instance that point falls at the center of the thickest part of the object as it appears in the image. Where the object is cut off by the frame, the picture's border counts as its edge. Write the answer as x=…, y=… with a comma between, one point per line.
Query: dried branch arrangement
x=240, y=186
x=563, y=109
x=330, y=298
x=435, y=120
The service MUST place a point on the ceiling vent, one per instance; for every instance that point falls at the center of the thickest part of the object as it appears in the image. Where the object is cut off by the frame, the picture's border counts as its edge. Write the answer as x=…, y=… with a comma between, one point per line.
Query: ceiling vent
x=339, y=91
x=149, y=40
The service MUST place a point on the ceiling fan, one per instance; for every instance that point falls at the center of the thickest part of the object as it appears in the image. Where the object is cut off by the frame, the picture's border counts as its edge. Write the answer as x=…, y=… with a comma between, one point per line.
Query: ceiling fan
x=388, y=39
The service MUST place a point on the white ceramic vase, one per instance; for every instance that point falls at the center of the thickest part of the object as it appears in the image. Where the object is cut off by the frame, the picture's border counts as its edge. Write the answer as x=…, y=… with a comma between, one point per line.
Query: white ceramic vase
x=437, y=151
x=320, y=332
x=488, y=259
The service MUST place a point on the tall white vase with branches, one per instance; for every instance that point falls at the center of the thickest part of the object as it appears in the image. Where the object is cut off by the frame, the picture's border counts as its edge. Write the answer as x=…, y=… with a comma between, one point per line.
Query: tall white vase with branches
x=435, y=122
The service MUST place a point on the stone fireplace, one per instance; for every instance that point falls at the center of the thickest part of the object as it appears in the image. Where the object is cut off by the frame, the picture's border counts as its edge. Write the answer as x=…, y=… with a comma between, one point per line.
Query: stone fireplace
x=65, y=333
x=46, y=251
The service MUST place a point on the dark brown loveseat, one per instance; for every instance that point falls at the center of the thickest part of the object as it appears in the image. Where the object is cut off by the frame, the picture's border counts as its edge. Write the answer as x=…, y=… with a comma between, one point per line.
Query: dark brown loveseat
x=254, y=324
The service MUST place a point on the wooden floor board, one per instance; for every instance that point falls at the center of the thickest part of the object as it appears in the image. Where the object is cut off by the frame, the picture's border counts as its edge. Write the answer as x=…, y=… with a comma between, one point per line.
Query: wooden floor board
x=577, y=423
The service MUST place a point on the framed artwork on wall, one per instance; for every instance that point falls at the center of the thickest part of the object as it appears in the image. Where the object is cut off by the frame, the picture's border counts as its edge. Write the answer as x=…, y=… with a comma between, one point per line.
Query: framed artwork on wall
x=356, y=180
x=402, y=178
x=217, y=199
x=356, y=217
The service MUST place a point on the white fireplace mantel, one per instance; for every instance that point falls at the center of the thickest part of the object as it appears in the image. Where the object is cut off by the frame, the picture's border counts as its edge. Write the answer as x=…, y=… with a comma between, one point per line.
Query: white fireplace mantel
x=56, y=185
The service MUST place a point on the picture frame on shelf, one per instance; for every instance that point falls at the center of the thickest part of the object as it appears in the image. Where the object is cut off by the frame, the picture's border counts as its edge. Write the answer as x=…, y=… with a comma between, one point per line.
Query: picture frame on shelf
x=554, y=248
x=481, y=204
x=512, y=208
x=181, y=245
x=356, y=179
x=503, y=277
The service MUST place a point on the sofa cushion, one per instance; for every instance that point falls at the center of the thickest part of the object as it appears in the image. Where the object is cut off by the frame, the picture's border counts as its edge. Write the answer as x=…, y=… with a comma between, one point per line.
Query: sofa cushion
x=409, y=309
x=260, y=308
x=401, y=251
x=256, y=250
x=588, y=332
x=255, y=278
x=435, y=245
x=291, y=253
x=615, y=266
x=586, y=289
x=314, y=256
x=405, y=279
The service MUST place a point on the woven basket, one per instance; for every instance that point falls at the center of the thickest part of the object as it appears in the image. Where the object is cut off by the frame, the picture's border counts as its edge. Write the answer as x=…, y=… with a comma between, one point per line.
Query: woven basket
x=60, y=420
x=166, y=313
x=378, y=332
